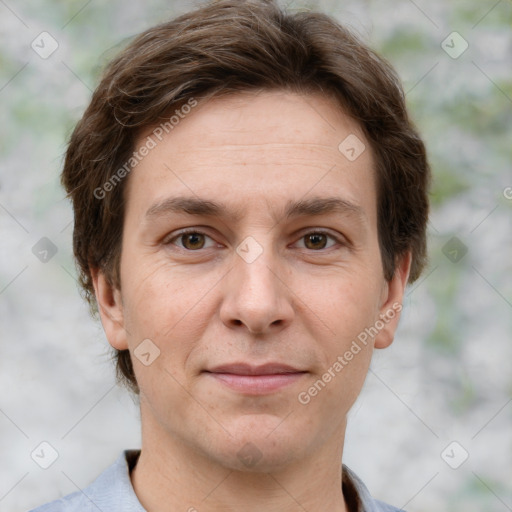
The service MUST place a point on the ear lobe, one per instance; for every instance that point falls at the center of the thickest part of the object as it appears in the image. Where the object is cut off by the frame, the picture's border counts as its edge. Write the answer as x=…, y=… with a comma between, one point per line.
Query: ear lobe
x=110, y=309
x=391, y=307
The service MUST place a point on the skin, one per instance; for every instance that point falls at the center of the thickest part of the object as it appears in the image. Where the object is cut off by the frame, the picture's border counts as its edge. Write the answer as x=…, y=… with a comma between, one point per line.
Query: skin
x=299, y=302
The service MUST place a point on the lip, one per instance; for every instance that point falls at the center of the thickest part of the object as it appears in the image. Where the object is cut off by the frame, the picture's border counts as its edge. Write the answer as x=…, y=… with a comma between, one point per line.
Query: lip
x=255, y=380
x=249, y=369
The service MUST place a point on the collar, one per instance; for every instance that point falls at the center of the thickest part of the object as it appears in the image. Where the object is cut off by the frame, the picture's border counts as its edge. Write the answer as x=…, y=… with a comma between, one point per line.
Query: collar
x=113, y=489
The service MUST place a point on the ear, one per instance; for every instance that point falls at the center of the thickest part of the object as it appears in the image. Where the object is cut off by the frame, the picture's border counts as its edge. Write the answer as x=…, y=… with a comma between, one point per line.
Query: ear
x=111, y=310
x=391, y=303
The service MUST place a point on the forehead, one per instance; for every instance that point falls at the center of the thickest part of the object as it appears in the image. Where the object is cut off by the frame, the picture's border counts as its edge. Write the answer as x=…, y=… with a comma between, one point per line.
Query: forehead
x=253, y=148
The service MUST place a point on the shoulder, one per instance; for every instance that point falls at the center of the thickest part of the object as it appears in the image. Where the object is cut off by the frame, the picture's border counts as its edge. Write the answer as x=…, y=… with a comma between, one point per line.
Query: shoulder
x=74, y=502
x=358, y=496
x=384, y=507
x=111, y=491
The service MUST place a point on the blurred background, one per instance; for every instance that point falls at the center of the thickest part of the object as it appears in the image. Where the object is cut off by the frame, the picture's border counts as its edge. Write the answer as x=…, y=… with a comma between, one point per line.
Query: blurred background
x=432, y=429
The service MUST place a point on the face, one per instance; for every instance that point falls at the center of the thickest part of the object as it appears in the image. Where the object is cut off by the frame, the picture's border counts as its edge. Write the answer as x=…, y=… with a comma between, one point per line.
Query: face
x=250, y=275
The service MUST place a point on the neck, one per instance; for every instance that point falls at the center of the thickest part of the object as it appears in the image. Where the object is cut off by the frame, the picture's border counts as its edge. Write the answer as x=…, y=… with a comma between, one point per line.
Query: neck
x=170, y=475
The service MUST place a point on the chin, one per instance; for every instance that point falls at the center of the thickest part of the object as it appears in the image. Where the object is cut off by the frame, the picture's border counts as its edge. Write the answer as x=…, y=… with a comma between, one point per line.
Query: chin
x=261, y=444
x=258, y=458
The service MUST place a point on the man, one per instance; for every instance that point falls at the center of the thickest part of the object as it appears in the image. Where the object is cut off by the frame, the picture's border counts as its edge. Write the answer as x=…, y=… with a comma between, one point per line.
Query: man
x=250, y=203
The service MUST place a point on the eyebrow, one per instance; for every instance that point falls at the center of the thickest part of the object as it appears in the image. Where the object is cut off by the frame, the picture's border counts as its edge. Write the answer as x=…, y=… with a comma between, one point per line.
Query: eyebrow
x=314, y=206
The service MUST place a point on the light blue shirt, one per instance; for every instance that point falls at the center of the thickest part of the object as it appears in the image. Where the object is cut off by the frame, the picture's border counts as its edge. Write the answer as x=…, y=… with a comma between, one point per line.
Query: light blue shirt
x=112, y=491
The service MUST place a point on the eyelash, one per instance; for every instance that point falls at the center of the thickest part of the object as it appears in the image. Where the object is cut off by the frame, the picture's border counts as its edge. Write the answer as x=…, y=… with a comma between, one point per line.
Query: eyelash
x=199, y=232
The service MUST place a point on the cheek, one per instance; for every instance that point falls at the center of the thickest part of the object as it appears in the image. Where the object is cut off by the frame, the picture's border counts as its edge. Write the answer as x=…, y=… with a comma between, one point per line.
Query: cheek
x=168, y=305
x=158, y=295
x=345, y=352
x=347, y=306
x=346, y=302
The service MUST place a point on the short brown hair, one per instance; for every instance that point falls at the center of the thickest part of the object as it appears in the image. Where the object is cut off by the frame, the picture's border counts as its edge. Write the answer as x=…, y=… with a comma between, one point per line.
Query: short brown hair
x=225, y=47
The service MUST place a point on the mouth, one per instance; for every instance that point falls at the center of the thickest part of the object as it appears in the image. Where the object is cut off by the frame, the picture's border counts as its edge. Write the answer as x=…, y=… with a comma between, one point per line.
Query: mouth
x=255, y=380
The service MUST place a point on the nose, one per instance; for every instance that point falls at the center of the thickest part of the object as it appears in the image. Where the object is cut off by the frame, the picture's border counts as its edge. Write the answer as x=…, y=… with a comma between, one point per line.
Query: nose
x=257, y=297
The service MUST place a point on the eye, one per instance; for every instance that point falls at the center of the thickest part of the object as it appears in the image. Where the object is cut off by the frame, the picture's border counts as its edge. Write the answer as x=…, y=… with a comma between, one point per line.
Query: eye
x=194, y=240
x=191, y=240
x=317, y=240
